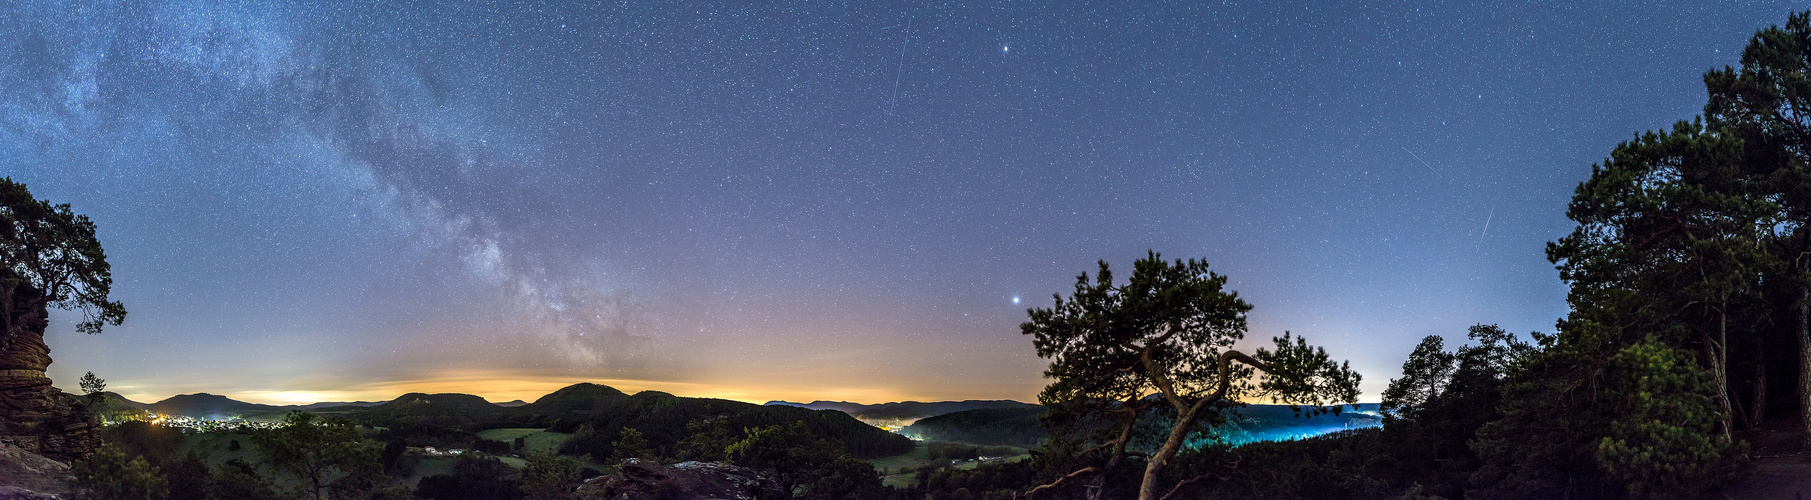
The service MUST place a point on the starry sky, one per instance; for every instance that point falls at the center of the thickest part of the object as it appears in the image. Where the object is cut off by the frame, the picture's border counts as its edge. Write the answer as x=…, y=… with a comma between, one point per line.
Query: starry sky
x=804, y=199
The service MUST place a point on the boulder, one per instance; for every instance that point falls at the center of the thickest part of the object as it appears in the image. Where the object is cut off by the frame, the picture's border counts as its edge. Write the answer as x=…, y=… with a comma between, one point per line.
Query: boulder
x=646, y=480
x=26, y=475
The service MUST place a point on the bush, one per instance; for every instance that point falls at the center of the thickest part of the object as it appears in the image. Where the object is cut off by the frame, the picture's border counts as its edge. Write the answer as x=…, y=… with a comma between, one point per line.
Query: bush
x=108, y=475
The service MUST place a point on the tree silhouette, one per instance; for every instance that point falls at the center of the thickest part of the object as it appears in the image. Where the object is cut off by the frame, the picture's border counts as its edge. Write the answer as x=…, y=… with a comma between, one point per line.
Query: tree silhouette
x=51, y=259
x=1164, y=339
x=1763, y=105
x=315, y=450
x=92, y=385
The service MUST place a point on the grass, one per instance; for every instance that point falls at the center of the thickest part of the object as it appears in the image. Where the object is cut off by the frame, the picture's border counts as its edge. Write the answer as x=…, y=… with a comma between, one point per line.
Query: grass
x=533, y=439
x=900, y=470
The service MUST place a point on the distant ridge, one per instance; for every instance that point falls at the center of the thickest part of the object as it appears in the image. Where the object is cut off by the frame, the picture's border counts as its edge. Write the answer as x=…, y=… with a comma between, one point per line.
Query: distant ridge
x=204, y=405
x=121, y=400
x=334, y=404
x=594, y=414
x=908, y=410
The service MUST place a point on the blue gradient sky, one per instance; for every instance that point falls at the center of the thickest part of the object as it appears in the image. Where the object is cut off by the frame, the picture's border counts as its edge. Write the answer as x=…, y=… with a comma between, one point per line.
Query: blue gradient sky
x=804, y=200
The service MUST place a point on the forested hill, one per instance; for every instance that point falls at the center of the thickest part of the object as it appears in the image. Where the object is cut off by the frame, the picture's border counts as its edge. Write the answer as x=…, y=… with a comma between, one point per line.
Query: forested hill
x=985, y=426
x=206, y=405
x=597, y=416
x=664, y=419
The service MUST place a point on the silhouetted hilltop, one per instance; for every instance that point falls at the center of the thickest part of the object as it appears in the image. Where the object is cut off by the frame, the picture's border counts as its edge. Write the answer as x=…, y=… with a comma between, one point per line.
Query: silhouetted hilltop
x=595, y=414
x=513, y=404
x=112, y=406
x=458, y=411
x=115, y=398
x=842, y=406
x=598, y=414
x=204, y=405
x=576, y=401
x=333, y=404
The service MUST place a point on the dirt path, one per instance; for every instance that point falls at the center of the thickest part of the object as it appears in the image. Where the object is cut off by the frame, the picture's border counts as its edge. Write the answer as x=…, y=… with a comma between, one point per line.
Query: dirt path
x=1781, y=469
x=1787, y=477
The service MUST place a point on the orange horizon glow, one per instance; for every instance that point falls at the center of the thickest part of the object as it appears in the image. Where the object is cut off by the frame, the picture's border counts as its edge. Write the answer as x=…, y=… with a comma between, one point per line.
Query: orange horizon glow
x=531, y=388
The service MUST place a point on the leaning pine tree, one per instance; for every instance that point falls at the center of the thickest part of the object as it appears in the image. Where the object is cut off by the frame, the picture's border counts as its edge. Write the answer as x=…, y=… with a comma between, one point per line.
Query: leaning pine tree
x=1163, y=340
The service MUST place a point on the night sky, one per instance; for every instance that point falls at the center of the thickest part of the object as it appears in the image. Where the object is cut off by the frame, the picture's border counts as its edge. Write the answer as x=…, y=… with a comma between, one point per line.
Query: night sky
x=804, y=200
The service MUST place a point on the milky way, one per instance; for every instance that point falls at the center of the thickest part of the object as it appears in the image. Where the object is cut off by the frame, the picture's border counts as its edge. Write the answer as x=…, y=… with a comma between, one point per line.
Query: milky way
x=806, y=200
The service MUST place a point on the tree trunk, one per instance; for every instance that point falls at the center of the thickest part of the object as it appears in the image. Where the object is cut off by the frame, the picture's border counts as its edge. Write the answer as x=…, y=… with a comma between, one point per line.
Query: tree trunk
x=1717, y=352
x=1758, y=410
x=1185, y=421
x=1804, y=361
x=1098, y=486
x=1724, y=413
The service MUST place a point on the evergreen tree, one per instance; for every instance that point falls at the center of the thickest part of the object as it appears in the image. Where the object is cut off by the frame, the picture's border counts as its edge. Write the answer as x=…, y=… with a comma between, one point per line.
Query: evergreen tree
x=108, y=475
x=1763, y=104
x=52, y=260
x=1168, y=331
x=817, y=468
x=1433, y=413
x=550, y=476
x=320, y=453
x=1665, y=250
x=92, y=385
x=631, y=444
x=1664, y=445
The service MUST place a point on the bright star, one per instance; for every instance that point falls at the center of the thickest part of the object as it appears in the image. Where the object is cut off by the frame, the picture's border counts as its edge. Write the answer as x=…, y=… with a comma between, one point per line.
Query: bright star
x=1015, y=299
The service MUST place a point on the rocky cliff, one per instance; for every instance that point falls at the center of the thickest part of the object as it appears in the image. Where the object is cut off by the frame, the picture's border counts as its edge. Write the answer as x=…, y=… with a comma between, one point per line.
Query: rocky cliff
x=34, y=416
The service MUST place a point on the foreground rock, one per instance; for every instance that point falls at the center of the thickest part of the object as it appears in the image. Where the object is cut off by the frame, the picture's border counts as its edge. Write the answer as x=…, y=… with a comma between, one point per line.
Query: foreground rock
x=645, y=480
x=25, y=475
x=34, y=416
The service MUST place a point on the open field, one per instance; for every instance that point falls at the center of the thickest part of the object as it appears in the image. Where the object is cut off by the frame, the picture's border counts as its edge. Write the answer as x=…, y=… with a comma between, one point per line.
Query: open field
x=899, y=470
x=533, y=439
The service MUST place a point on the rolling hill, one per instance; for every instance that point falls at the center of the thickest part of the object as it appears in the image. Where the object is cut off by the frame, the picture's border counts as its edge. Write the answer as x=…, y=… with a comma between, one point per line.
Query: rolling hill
x=210, y=406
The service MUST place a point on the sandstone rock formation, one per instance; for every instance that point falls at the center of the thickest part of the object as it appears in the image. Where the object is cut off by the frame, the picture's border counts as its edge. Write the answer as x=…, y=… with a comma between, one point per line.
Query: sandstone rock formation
x=645, y=480
x=34, y=416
